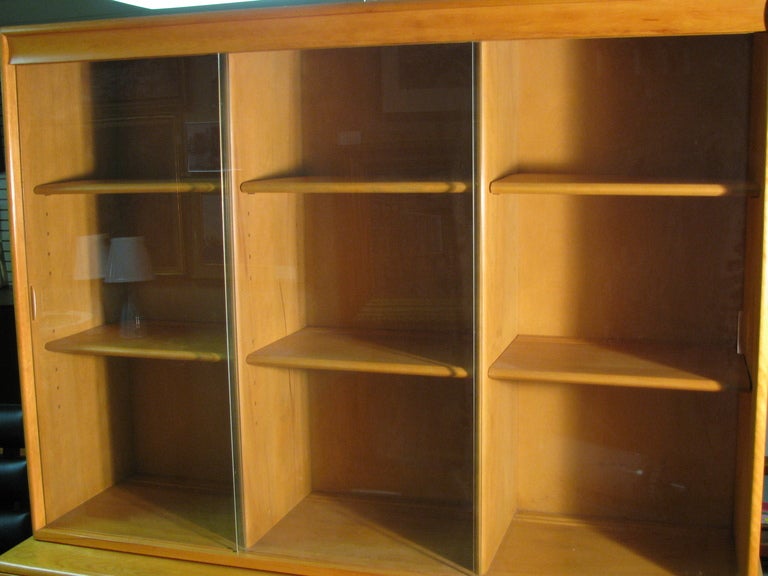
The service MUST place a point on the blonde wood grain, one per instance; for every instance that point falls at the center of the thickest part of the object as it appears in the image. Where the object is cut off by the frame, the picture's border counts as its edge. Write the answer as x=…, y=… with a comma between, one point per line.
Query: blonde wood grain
x=555, y=267
x=36, y=558
x=169, y=341
x=317, y=185
x=151, y=513
x=404, y=537
x=626, y=454
x=409, y=265
x=752, y=407
x=22, y=303
x=553, y=247
x=181, y=428
x=381, y=23
x=191, y=523
x=580, y=184
x=647, y=132
x=613, y=267
x=408, y=437
x=264, y=104
x=622, y=363
x=129, y=187
x=408, y=271
x=388, y=352
x=542, y=545
x=81, y=447
x=497, y=299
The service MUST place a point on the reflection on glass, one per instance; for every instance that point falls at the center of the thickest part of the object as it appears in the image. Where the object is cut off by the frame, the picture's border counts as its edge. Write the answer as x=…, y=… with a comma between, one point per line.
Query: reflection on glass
x=128, y=263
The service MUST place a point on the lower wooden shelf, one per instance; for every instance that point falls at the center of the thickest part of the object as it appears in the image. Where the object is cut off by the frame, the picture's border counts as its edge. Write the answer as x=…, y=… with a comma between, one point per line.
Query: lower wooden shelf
x=322, y=534
x=545, y=545
x=140, y=515
x=348, y=532
x=621, y=363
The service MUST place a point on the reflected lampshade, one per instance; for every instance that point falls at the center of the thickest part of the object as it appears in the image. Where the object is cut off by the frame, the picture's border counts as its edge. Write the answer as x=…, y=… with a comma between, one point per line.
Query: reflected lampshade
x=128, y=260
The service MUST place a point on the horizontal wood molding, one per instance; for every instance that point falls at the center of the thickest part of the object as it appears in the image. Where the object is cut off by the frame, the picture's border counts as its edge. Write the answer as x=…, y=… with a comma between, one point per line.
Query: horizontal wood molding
x=380, y=23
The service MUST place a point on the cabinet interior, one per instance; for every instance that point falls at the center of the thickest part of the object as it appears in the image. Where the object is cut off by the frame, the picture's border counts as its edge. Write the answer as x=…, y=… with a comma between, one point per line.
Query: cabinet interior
x=139, y=427
x=361, y=185
x=482, y=308
x=610, y=265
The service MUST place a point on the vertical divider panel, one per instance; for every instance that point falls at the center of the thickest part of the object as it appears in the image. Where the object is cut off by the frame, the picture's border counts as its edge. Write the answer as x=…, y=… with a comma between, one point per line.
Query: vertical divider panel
x=497, y=304
x=264, y=127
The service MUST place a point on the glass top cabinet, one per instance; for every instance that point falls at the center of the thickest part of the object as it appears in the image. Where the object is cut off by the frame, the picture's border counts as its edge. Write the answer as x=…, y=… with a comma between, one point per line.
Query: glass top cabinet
x=479, y=297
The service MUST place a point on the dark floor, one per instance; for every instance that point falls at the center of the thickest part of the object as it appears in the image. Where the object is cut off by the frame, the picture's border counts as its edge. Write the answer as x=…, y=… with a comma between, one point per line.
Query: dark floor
x=14, y=496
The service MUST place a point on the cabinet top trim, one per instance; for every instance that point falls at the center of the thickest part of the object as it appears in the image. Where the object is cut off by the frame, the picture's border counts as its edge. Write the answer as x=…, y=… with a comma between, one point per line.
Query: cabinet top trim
x=379, y=23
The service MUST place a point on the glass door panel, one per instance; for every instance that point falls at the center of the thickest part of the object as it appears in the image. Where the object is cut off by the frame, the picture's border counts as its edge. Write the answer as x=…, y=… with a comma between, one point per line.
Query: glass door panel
x=126, y=272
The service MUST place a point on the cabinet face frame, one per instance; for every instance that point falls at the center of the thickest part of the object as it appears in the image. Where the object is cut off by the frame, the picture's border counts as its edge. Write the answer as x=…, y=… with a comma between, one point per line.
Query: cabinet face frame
x=28, y=46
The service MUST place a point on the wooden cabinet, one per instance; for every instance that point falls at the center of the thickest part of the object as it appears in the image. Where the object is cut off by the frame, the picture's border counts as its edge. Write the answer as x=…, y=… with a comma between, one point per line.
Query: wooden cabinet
x=477, y=297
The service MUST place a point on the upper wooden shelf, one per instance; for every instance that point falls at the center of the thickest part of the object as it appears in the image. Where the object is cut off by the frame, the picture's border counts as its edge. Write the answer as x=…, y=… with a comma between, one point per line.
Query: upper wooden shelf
x=380, y=351
x=129, y=187
x=164, y=341
x=621, y=363
x=592, y=185
x=331, y=185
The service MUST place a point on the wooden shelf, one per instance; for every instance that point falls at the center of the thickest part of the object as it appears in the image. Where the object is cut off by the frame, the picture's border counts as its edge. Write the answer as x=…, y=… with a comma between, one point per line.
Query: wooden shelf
x=154, y=513
x=163, y=341
x=591, y=185
x=129, y=187
x=387, y=352
x=621, y=363
x=330, y=185
x=405, y=537
x=551, y=545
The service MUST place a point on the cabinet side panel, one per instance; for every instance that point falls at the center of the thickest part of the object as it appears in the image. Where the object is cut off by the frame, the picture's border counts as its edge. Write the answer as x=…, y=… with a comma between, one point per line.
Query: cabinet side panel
x=751, y=446
x=264, y=106
x=497, y=287
x=82, y=451
x=22, y=302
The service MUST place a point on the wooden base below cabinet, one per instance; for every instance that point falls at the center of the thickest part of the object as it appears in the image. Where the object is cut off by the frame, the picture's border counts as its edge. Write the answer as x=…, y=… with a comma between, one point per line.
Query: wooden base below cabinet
x=35, y=558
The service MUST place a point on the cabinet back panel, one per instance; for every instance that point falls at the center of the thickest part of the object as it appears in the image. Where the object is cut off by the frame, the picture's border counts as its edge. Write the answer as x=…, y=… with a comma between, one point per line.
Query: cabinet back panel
x=402, y=436
x=401, y=262
x=629, y=268
x=388, y=112
x=181, y=421
x=623, y=106
x=662, y=269
x=627, y=454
